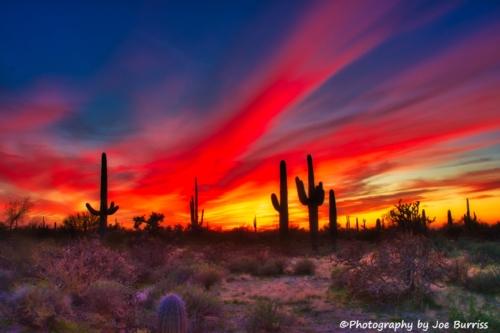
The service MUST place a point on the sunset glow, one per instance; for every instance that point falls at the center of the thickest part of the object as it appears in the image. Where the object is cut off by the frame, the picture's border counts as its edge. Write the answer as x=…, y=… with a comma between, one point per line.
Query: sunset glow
x=393, y=100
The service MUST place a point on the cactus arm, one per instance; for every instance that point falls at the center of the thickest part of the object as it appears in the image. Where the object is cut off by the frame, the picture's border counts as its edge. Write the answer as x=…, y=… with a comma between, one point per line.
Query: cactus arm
x=276, y=204
x=92, y=210
x=301, y=191
x=320, y=194
x=112, y=209
x=201, y=221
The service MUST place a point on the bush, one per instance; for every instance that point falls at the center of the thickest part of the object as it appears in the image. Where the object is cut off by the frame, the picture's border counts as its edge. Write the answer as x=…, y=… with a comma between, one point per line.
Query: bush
x=81, y=264
x=265, y=315
x=37, y=306
x=107, y=298
x=246, y=265
x=484, y=254
x=468, y=310
x=208, y=276
x=204, y=310
x=272, y=267
x=402, y=267
x=148, y=254
x=486, y=281
x=304, y=267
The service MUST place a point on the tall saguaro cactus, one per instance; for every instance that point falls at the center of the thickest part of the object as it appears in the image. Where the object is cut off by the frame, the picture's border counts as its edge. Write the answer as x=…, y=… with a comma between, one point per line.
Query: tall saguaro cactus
x=281, y=206
x=333, y=220
x=313, y=201
x=196, y=223
x=104, y=211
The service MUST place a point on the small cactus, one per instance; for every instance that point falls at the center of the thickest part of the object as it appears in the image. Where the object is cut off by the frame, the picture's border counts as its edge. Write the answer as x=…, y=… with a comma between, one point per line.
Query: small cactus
x=450, y=220
x=172, y=316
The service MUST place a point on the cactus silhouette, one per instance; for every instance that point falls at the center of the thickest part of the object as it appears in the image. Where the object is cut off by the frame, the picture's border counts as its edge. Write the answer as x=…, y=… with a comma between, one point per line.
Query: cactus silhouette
x=333, y=220
x=450, y=220
x=196, y=223
x=378, y=225
x=313, y=201
x=172, y=316
x=424, y=221
x=104, y=211
x=281, y=206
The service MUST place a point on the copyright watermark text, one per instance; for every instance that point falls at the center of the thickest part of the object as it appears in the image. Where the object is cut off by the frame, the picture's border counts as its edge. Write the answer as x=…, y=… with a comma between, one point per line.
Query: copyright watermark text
x=408, y=325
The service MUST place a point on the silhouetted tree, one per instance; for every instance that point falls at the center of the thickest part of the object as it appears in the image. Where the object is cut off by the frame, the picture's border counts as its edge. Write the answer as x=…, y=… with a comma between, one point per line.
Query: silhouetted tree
x=81, y=221
x=407, y=216
x=17, y=210
x=152, y=223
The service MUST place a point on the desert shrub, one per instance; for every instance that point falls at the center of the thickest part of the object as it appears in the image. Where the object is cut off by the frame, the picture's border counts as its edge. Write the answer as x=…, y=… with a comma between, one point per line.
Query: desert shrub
x=304, y=267
x=273, y=266
x=457, y=272
x=353, y=250
x=37, y=306
x=484, y=254
x=339, y=278
x=486, y=281
x=265, y=315
x=440, y=243
x=208, y=276
x=268, y=269
x=180, y=274
x=216, y=253
x=468, y=309
x=82, y=263
x=247, y=265
x=148, y=254
x=160, y=289
x=204, y=310
x=403, y=266
x=107, y=298
x=7, y=279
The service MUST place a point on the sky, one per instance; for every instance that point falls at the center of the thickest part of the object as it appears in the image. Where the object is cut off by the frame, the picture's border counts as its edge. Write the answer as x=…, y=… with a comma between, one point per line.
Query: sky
x=393, y=100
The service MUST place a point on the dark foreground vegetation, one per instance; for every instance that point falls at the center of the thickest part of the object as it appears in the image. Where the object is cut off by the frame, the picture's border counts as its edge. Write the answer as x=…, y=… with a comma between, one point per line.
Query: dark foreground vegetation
x=67, y=280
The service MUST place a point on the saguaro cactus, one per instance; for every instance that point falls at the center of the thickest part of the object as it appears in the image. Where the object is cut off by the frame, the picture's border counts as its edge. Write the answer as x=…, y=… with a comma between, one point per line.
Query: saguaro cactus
x=313, y=201
x=281, y=206
x=172, y=316
x=450, y=220
x=333, y=220
x=104, y=211
x=193, y=204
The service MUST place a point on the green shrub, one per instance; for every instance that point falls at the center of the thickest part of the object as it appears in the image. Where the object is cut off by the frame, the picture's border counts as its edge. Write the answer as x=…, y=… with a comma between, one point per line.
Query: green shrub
x=304, y=267
x=181, y=274
x=107, y=298
x=468, y=310
x=265, y=315
x=246, y=265
x=486, y=281
x=81, y=264
x=484, y=254
x=204, y=310
x=208, y=276
x=272, y=267
x=37, y=306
